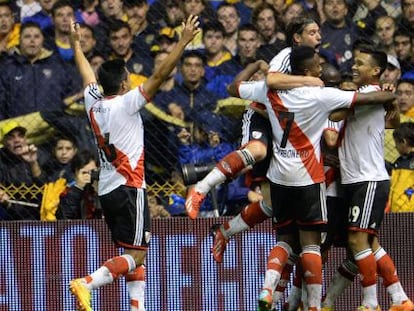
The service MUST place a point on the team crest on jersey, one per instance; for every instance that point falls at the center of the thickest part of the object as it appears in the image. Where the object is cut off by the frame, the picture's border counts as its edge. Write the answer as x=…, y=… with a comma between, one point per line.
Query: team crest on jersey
x=47, y=73
x=147, y=236
x=149, y=39
x=256, y=134
x=347, y=39
x=137, y=67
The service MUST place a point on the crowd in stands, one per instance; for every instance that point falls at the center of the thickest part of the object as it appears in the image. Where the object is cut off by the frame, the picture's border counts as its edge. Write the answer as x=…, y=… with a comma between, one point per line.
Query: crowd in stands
x=45, y=132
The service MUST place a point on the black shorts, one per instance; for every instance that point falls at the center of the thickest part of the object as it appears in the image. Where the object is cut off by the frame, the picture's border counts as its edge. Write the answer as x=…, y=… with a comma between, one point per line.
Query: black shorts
x=366, y=203
x=257, y=127
x=127, y=215
x=304, y=207
x=337, y=228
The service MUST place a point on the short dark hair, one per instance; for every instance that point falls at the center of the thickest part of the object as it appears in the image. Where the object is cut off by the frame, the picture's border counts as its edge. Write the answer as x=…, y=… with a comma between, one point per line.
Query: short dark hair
x=116, y=25
x=60, y=136
x=134, y=3
x=30, y=24
x=82, y=158
x=111, y=74
x=301, y=58
x=61, y=4
x=379, y=57
x=247, y=27
x=405, y=132
x=215, y=27
x=191, y=54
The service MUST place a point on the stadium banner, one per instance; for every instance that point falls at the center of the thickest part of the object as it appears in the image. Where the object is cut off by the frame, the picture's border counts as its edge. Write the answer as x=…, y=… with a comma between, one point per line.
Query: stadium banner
x=38, y=259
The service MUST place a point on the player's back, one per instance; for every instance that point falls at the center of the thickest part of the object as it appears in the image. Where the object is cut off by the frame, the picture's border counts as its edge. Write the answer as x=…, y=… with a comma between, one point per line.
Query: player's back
x=119, y=131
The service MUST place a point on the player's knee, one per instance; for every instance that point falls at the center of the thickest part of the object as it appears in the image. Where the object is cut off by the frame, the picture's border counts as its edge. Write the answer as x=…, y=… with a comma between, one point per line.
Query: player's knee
x=258, y=150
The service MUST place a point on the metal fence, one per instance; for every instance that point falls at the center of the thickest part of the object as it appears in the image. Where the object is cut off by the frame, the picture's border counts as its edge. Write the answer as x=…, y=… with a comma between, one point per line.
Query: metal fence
x=43, y=94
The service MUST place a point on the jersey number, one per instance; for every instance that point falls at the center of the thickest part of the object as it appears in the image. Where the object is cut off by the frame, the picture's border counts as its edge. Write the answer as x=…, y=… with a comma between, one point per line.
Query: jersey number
x=107, y=150
x=286, y=121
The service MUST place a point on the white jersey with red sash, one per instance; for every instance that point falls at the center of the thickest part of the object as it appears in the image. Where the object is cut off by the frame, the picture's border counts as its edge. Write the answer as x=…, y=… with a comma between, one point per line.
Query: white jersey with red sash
x=298, y=118
x=119, y=132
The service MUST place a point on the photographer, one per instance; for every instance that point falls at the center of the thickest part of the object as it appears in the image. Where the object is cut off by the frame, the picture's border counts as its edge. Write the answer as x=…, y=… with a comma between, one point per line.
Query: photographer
x=80, y=201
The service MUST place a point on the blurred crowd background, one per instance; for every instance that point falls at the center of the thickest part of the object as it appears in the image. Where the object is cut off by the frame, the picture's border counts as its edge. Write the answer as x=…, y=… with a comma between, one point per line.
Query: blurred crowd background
x=48, y=160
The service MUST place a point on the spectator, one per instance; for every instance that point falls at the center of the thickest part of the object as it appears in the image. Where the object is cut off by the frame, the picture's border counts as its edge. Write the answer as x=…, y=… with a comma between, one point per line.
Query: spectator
x=88, y=13
x=166, y=40
x=43, y=76
x=401, y=196
x=290, y=13
x=245, y=8
x=110, y=10
x=220, y=68
x=168, y=83
x=264, y=17
x=57, y=36
x=44, y=17
x=248, y=42
x=142, y=31
x=405, y=98
x=157, y=210
x=392, y=73
x=205, y=146
x=372, y=10
x=20, y=164
x=229, y=17
x=385, y=28
x=204, y=11
x=87, y=40
x=64, y=149
x=191, y=96
x=80, y=201
x=9, y=30
x=120, y=42
x=167, y=13
x=407, y=20
x=338, y=33
x=403, y=47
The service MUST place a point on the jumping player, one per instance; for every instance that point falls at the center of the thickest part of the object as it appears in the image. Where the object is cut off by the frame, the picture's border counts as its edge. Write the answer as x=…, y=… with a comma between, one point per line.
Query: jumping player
x=118, y=128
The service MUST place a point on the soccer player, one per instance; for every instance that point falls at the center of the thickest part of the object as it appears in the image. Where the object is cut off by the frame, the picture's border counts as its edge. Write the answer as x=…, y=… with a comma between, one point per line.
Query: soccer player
x=366, y=186
x=118, y=128
x=298, y=117
x=256, y=142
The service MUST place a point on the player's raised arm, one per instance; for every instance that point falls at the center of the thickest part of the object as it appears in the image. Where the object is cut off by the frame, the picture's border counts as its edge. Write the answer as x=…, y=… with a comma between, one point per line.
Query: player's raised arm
x=190, y=30
x=85, y=69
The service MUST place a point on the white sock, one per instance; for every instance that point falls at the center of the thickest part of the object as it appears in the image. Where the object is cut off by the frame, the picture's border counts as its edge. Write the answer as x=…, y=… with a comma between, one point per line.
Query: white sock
x=397, y=293
x=370, y=299
x=236, y=225
x=100, y=277
x=212, y=179
x=272, y=277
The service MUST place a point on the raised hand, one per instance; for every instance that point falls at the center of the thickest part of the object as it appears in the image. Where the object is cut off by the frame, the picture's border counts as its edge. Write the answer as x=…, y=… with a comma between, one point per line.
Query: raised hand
x=190, y=29
x=74, y=32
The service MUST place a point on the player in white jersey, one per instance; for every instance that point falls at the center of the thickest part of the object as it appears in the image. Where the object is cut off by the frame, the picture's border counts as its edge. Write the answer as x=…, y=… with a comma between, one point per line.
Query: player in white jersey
x=256, y=143
x=115, y=118
x=298, y=117
x=366, y=185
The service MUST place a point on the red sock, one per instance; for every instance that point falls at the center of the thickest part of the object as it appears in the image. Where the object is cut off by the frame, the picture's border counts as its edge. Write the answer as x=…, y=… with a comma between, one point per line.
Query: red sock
x=137, y=275
x=386, y=269
x=277, y=259
x=231, y=164
x=367, y=269
x=312, y=263
x=117, y=266
x=252, y=214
